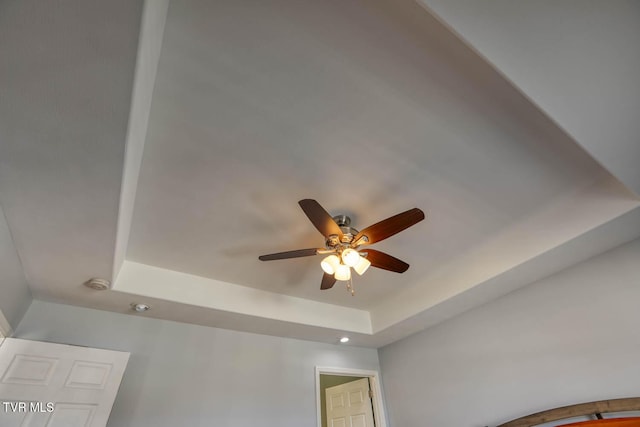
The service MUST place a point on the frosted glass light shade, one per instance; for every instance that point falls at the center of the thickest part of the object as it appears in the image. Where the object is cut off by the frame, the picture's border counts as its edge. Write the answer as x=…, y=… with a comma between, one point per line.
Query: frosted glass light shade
x=362, y=265
x=330, y=263
x=350, y=257
x=343, y=272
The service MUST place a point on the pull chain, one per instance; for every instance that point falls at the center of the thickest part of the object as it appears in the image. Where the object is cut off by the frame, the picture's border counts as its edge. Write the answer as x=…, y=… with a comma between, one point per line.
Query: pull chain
x=350, y=287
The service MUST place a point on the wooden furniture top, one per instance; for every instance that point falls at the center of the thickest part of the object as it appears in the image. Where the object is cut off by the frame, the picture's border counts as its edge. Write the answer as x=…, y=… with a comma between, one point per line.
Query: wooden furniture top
x=582, y=409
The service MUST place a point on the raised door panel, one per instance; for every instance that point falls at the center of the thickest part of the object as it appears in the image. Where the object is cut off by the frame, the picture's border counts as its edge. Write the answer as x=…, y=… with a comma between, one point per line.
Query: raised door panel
x=356, y=397
x=9, y=418
x=30, y=370
x=358, y=420
x=336, y=401
x=89, y=375
x=338, y=422
x=72, y=415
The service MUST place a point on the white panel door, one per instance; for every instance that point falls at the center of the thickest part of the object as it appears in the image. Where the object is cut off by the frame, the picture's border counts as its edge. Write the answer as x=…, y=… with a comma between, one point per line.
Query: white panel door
x=349, y=405
x=55, y=385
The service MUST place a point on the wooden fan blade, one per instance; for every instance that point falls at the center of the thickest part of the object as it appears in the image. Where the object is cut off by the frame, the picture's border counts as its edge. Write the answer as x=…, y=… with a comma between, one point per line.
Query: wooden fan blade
x=390, y=226
x=320, y=218
x=327, y=281
x=386, y=261
x=289, y=254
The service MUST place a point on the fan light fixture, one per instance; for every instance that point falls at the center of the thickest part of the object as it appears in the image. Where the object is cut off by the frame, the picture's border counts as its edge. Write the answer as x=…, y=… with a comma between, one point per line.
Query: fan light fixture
x=362, y=265
x=342, y=244
x=350, y=257
x=330, y=264
x=343, y=272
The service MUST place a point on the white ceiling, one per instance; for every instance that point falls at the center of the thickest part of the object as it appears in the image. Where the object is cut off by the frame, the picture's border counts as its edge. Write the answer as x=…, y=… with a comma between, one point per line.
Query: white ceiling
x=175, y=167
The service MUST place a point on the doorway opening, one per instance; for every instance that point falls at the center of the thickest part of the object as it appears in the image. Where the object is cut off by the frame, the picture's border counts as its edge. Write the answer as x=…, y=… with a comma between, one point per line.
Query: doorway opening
x=345, y=385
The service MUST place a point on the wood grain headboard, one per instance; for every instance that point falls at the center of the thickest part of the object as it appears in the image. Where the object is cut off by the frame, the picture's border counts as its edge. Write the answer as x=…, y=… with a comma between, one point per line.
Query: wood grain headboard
x=582, y=409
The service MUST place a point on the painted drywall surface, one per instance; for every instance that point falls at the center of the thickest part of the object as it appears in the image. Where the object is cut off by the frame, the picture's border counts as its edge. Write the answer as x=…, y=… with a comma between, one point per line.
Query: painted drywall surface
x=154, y=16
x=186, y=375
x=327, y=381
x=576, y=59
x=15, y=296
x=65, y=92
x=573, y=337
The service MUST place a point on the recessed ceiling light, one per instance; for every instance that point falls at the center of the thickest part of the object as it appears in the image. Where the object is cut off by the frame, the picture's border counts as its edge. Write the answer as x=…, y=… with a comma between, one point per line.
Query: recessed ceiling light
x=139, y=307
x=344, y=340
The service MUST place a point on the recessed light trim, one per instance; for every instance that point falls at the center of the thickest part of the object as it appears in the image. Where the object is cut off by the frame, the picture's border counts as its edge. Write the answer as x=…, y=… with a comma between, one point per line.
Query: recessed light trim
x=344, y=340
x=139, y=307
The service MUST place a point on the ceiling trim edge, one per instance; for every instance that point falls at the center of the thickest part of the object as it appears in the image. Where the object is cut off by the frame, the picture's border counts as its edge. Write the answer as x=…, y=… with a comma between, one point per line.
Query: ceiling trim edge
x=155, y=282
x=154, y=17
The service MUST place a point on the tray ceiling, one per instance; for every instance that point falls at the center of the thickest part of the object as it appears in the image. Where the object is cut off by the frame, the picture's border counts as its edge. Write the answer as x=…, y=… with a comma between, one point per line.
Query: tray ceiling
x=239, y=110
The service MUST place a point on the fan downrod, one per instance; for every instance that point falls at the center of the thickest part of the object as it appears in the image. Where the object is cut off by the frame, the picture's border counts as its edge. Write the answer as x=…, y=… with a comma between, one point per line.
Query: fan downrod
x=342, y=220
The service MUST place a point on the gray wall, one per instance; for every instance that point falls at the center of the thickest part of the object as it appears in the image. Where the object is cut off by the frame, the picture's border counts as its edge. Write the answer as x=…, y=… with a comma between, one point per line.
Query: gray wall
x=186, y=375
x=14, y=292
x=573, y=337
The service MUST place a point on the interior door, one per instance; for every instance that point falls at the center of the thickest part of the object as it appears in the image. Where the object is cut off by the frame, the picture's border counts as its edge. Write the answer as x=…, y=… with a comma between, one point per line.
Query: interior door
x=349, y=405
x=55, y=385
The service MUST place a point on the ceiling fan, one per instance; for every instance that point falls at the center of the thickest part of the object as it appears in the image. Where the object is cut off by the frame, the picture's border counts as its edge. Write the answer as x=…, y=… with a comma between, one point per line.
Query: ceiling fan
x=343, y=243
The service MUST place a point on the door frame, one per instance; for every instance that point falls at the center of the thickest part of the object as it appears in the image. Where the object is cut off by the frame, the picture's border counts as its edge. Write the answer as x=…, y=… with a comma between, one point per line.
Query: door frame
x=5, y=327
x=379, y=416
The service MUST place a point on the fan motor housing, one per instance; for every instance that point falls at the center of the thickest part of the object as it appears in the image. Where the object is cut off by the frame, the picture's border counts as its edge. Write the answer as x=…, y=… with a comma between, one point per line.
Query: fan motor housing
x=348, y=233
